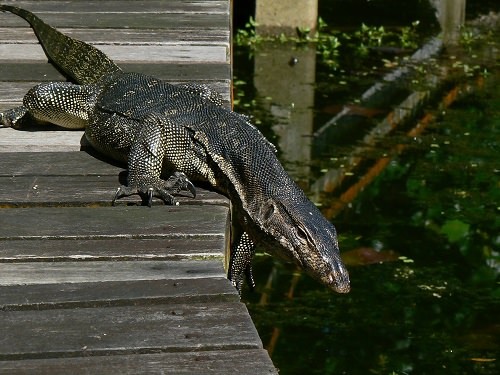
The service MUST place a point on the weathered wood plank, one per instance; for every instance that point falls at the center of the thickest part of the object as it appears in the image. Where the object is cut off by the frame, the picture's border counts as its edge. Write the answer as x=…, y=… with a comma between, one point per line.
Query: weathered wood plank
x=131, y=6
x=35, y=273
x=75, y=190
x=61, y=178
x=136, y=53
x=40, y=141
x=63, y=191
x=174, y=73
x=112, y=222
x=126, y=330
x=115, y=293
x=230, y=362
x=168, y=19
x=55, y=164
x=128, y=36
x=115, y=249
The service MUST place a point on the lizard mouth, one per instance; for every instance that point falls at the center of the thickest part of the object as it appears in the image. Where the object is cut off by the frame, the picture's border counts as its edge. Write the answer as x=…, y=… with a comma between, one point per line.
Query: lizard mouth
x=338, y=281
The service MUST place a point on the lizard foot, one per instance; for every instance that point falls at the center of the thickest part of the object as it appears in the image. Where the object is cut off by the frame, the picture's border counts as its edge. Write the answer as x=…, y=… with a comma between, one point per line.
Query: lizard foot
x=240, y=264
x=237, y=279
x=157, y=188
x=12, y=117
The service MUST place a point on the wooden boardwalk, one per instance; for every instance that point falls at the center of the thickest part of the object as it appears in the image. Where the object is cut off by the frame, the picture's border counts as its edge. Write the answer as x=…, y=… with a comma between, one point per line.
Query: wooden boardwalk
x=86, y=288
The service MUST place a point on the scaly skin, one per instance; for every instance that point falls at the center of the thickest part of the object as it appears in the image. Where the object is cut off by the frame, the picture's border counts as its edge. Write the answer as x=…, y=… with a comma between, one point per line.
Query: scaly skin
x=183, y=132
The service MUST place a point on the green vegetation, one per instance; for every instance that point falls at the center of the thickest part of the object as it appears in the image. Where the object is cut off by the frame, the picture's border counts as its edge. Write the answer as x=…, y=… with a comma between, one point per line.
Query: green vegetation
x=433, y=309
x=330, y=43
x=431, y=217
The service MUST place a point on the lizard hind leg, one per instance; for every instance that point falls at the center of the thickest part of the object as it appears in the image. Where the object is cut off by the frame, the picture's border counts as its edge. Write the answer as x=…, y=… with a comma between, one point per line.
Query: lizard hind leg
x=61, y=103
x=13, y=118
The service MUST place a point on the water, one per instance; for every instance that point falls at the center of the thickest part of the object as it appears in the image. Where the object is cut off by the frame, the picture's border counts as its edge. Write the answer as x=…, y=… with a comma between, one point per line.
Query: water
x=421, y=239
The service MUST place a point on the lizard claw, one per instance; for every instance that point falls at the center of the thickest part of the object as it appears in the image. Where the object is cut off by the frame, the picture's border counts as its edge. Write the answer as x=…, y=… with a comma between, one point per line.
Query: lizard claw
x=178, y=182
x=149, y=188
x=146, y=193
x=249, y=277
x=191, y=188
x=150, y=196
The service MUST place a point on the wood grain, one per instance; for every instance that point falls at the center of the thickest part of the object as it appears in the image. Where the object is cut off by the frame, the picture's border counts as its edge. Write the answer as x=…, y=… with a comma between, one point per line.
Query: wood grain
x=126, y=330
x=130, y=53
x=73, y=178
x=116, y=249
x=111, y=222
x=36, y=273
x=230, y=362
x=90, y=294
x=210, y=74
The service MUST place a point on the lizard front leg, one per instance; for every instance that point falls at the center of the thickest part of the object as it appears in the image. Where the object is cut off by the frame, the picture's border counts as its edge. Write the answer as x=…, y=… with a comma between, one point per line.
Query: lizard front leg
x=145, y=162
x=240, y=264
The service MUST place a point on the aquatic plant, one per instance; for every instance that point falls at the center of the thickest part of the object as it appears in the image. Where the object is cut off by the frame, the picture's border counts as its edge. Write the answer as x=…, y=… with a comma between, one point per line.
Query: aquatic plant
x=331, y=43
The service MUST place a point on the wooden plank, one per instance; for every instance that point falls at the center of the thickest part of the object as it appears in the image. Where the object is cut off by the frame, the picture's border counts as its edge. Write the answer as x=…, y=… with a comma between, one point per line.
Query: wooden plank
x=130, y=6
x=135, y=53
x=230, y=362
x=112, y=222
x=115, y=293
x=92, y=190
x=61, y=250
x=35, y=273
x=132, y=20
x=126, y=330
x=64, y=191
x=128, y=36
x=43, y=141
x=44, y=72
x=75, y=178
x=56, y=164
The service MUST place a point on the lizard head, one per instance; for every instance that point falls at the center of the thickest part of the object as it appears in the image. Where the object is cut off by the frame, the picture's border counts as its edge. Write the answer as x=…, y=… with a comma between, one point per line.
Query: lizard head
x=307, y=238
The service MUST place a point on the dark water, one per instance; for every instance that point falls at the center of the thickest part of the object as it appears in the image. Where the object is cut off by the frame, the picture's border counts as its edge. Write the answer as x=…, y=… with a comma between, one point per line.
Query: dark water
x=421, y=240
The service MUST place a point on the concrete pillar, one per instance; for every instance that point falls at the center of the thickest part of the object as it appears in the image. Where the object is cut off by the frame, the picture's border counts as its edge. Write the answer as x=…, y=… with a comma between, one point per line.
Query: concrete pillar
x=284, y=79
x=274, y=17
x=451, y=16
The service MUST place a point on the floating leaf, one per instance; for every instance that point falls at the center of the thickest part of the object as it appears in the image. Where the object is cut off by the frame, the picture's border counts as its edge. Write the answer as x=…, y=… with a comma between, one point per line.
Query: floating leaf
x=455, y=230
x=367, y=255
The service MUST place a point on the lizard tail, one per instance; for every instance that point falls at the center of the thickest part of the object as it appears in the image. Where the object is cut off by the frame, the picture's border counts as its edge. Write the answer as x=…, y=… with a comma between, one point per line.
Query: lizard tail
x=79, y=61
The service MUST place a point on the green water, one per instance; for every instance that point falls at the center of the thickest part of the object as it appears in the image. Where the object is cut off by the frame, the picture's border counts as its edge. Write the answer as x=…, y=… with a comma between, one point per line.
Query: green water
x=422, y=244
x=435, y=309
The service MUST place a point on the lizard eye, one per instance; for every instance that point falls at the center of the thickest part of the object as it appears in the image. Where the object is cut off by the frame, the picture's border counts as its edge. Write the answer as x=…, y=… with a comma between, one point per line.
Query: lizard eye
x=302, y=235
x=267, y=211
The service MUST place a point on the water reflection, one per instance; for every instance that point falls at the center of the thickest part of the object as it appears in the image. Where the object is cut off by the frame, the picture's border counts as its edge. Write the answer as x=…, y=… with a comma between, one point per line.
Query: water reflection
x=421, y=238
x=451, y=17
x=421, y=243
x=288, y=97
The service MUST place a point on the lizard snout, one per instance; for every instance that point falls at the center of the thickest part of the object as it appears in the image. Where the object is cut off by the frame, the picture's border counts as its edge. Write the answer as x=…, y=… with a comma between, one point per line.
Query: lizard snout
x=338, y=279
